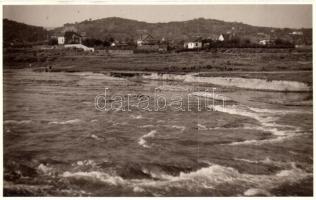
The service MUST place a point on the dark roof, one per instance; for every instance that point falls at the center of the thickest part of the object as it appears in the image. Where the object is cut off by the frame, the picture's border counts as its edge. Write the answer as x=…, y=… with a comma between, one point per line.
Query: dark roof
x=71, y=33
x=147, y=37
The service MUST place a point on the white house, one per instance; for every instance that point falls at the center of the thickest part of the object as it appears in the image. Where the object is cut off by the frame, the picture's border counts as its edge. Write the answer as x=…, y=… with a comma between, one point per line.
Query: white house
x=61, y=40
x=226, y=36
x=264, y=42
x=221, y=38
x=193, y=45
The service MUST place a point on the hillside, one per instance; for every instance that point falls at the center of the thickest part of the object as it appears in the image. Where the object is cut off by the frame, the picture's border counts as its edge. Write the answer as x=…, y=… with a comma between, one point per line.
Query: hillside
x=20, y=33
x=122, y=29
x=126, y=29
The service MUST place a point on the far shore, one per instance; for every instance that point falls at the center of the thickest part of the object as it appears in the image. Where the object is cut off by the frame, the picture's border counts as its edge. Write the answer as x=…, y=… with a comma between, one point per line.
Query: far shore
x=267, y=64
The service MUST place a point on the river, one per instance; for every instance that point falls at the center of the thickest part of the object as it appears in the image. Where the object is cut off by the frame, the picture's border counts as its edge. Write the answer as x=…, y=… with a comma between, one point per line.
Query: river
x=57, y=143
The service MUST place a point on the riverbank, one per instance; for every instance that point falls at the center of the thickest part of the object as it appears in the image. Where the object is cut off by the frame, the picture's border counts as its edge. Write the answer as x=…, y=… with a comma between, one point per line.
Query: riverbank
x=222, y=60
x=266, y=69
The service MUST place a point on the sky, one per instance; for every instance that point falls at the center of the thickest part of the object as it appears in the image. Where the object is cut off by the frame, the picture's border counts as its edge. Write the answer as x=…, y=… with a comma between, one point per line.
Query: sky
x=281, y=16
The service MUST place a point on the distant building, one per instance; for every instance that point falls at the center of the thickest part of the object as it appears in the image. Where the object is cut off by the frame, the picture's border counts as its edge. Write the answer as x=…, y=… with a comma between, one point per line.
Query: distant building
x=146, y=39
x=117, y=43
x=193, y=45
x=264, y=42
x=147, y=42
x=223, y=37
x=61, y=40
x=72, y=37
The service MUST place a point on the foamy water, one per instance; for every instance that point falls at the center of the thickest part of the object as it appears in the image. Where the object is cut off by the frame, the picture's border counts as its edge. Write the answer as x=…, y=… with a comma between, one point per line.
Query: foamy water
x=17, y=122
x=72, y=121
x=267, y=120
x=181, y=128
x=248, y=83
x=57, y=144
x=204, y=178
x=142, y=140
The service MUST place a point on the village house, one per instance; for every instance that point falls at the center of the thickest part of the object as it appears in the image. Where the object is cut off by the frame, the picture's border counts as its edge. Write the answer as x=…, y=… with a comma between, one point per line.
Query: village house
x=147, y=42
x=61, y=40
x=72, y=37
x=207, y=42
x=69, y=37
x=193, y=45
x=221, y=38
x=72, y=40
x=114, y=43
x=264, y=42
x=224, y=37
x=146, y=39
x=263, y=39
x=119, y=44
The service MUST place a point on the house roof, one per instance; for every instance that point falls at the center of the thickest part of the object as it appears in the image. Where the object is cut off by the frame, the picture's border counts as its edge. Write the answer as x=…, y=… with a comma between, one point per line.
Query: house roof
x=71, y=33
x=146, y=37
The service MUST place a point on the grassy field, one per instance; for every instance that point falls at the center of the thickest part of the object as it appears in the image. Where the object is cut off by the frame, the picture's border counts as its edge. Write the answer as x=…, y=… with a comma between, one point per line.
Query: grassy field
x=290, y=64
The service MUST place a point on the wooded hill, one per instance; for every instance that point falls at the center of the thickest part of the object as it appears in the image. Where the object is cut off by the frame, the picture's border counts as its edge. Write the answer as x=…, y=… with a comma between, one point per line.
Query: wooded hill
x=126, y=29
x=22, y=33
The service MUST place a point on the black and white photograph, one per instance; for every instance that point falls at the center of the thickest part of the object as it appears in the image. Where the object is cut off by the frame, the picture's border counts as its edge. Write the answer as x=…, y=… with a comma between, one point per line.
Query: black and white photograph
x=157, y=100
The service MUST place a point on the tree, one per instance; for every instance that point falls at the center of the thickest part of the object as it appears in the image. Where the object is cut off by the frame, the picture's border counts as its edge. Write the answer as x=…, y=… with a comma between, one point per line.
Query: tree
x=247, y=41
x=106, y=43
x=283, y=43
x=91, y=42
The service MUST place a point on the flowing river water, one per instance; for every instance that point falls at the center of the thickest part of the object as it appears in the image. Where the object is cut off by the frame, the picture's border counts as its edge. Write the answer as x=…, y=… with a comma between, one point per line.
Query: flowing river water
x=57, y=143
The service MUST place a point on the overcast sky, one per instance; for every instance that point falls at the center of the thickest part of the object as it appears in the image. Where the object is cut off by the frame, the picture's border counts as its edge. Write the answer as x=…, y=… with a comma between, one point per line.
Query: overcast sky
x=291, y=16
